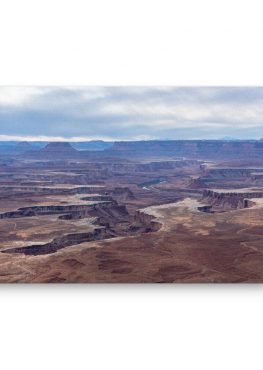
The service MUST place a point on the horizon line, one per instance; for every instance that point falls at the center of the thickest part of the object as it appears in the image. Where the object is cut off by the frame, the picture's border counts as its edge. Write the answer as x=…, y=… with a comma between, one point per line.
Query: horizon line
x=76, y=139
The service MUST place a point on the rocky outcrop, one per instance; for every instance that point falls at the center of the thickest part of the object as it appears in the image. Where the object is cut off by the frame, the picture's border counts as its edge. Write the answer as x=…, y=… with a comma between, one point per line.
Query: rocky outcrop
x=110, y=218
x=38, y=190
x=63, y=242
x=149, y=221
x=227, y=173
x=224, y=201
x=206, y=209
x=54, y=151
x=73, y=211
x=122, y=194
x=228, y=177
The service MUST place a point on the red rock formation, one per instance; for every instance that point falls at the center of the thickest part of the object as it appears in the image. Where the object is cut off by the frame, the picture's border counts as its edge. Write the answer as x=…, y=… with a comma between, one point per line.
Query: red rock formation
x=148, y=220
x=225, y=201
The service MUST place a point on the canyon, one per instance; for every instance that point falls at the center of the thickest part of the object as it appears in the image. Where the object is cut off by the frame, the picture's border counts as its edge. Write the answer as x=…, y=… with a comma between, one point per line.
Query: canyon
x=142, y=211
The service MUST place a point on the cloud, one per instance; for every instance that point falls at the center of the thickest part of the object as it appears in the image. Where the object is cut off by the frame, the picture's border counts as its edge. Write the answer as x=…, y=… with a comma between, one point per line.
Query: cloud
x=51, y=138
x=123, y=113
x=18, y=96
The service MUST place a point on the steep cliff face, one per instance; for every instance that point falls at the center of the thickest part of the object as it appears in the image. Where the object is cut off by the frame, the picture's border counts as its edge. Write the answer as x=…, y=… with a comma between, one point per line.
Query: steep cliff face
x=225, y=201
x=57, y=150
x=122, y=194
x=227, y=173
x=148, y=221
x=109, y=220
x=72, y=211
x=228, y=177
x=63, y=242
x=38, y=190
x=58, y=147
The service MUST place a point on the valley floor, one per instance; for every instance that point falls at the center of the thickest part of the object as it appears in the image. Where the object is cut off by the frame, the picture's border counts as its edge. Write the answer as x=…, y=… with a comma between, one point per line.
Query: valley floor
x=78, y=222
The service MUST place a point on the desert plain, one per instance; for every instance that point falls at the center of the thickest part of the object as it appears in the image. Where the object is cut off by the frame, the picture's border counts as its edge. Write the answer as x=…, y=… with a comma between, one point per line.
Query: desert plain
x=186, y=211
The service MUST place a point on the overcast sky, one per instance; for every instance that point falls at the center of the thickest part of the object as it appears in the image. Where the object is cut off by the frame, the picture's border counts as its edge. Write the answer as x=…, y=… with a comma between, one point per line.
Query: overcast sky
x=130, y=113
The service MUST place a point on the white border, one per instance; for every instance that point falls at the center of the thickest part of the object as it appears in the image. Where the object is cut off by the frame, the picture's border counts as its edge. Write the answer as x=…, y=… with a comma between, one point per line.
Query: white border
x=139, y=42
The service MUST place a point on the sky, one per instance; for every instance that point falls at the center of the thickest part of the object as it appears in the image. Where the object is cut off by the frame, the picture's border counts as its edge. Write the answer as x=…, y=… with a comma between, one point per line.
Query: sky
x=130, y=113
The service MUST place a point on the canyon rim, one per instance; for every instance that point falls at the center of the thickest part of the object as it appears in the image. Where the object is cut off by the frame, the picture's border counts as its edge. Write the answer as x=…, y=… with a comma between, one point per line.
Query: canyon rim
x=131, y=185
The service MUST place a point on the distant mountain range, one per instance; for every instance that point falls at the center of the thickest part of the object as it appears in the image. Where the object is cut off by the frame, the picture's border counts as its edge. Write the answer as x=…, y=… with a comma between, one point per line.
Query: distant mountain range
x=193, y=149
x=22, y=146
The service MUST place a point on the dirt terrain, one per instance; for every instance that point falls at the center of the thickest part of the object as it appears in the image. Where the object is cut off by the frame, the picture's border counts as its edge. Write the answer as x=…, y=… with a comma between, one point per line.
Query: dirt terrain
x=126, y=214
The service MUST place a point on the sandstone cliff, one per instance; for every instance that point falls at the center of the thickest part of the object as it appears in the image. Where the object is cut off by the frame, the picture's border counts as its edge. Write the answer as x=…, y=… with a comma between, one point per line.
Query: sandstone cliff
x=221, y=201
